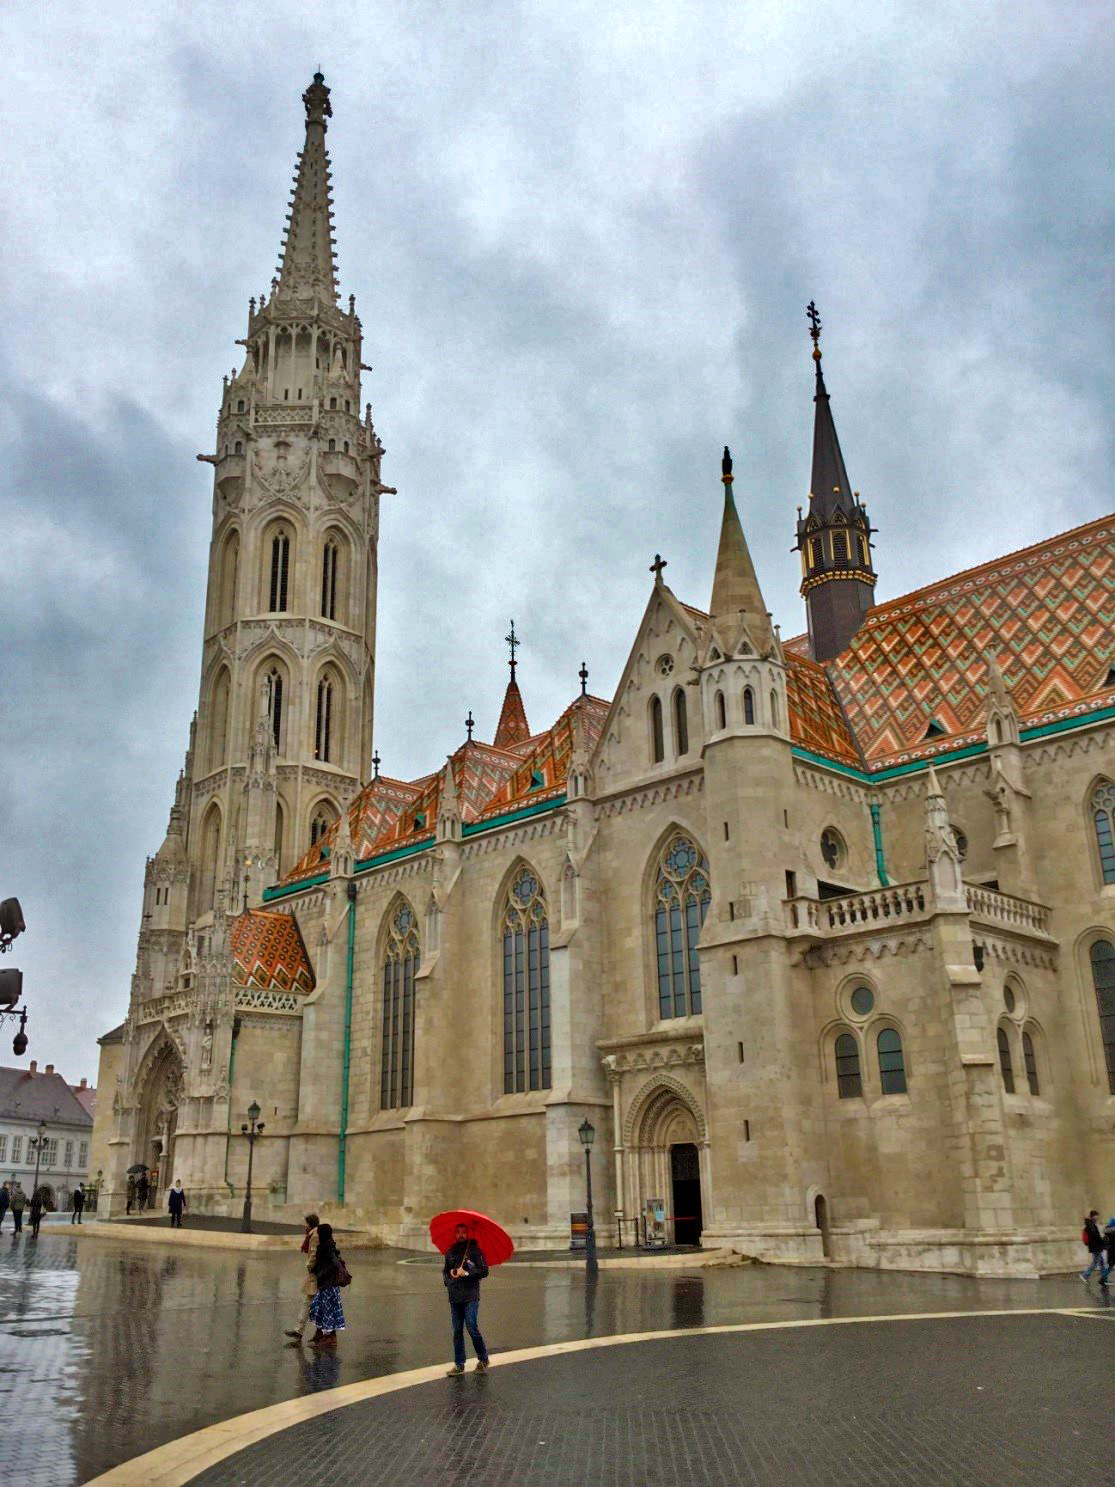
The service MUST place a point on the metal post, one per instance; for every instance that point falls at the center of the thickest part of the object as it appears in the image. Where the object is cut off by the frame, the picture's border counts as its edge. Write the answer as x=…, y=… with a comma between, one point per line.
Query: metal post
x=39, y=1139
x=591, y=1267
x=252, y=1135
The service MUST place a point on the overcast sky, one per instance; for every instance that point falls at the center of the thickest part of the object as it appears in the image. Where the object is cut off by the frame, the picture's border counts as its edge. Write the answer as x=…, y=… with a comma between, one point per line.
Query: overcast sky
x=581, y=238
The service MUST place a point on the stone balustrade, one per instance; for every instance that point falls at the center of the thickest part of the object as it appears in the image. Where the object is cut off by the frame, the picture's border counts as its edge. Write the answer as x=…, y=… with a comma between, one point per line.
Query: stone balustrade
x=992, y=907
x=879, y=907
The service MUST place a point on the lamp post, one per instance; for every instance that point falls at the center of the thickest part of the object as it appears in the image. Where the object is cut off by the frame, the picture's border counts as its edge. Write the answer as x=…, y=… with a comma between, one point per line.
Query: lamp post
x=587, y=1133
x=37, y=1143
x=252, y=1135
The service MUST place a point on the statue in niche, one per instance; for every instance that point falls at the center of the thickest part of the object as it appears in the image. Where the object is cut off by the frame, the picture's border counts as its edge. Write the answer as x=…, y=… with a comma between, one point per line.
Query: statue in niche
x=207, y=1047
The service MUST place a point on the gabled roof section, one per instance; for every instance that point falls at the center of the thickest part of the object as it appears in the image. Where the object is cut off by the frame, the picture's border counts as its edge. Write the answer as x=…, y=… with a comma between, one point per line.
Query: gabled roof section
x=543, y=773
x=816, y=720
x=370, y=813
x=40, y=1096
x=1045, y=613
x=268, y=951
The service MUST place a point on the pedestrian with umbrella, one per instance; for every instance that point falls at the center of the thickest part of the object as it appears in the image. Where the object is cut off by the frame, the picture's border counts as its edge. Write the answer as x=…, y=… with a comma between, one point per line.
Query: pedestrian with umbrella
x=471, y=1243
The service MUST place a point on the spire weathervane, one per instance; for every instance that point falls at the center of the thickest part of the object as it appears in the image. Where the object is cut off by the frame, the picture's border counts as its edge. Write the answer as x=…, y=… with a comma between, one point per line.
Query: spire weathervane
x=514, y=642
x=376, y=762
x=814, y=319
x=583, y=674
x=726, y=467
x=470, y=724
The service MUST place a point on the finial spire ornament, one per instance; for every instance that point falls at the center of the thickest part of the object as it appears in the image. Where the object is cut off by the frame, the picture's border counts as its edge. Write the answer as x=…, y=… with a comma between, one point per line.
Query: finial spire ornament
x=726, y=467
x=376, y=762
x=814, y=330
x=583, y=674
x=657, y=566
x=470, y=724
x=307, y=265
x=514, y=642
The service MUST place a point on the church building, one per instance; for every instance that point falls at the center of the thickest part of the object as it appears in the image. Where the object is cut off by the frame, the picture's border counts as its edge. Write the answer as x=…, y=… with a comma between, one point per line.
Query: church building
x=817, y=934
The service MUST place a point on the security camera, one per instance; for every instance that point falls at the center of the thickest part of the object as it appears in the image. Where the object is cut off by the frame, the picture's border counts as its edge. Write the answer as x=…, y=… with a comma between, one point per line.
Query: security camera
x=19, y=1044
x=11, y=985
x=11, y=922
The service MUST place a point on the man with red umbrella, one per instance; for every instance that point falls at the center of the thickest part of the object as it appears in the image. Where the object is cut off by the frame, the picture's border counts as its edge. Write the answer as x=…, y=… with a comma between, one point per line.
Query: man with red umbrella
x=470, y=1242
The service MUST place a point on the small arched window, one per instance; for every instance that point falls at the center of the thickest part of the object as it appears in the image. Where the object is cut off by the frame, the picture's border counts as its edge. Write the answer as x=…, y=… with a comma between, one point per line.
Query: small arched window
x=332, y=446
x=681, y=723
x=238, y=447
x=748, y=706
x=323, y=820
x=332, y=404
x=526, y=986
x=400, y=966
x=1006, y=1066
x=849, y=1083
x=998, y=730
x=330, y=556
x=323, y=730
x=1102, y=956
x=275, y=705
x=1030, y=1060
x=240, y=405
x=657, y=734
x=816, y=555
x=1103, y=819
x=721, y=712
x=892, y=1067
x=681, y=900
x=280, y=571
x=218, y=725
x=775, y=716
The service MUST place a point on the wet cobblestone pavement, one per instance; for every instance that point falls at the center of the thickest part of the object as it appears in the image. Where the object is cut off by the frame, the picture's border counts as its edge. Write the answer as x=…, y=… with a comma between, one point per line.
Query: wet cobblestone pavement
x=107, y=1352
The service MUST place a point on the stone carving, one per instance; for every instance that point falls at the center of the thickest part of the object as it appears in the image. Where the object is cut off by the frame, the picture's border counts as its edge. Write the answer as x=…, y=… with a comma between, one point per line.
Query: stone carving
x=207, y=1048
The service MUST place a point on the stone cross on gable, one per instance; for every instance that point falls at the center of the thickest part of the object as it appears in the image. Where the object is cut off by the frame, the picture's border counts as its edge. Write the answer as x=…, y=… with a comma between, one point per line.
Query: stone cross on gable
x=657, y=566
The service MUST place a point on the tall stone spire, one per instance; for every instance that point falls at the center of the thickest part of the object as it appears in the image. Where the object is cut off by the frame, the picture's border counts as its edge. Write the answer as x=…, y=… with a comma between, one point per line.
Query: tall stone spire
x=834, y=538
x=513, y=727
x=737, y=601
x=308, y=262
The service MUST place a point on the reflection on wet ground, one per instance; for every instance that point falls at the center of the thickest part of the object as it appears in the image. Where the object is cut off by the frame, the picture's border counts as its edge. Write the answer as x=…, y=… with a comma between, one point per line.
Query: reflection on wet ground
x=106, y=1352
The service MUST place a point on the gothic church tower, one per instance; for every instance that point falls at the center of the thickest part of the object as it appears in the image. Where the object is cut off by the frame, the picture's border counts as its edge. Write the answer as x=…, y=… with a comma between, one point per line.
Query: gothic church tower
x=284, y=723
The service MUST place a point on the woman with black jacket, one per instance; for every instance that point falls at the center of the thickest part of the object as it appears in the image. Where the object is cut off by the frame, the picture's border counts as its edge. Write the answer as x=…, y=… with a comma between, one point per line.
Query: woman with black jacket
x=326, y=1312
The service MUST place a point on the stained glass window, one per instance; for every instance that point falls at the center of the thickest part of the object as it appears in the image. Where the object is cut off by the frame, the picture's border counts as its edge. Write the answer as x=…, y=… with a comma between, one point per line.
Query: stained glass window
x=280, y=571
x=892, y=1067
x=400, y=965
x=1102, y=956
x=1030, y=1060
x=1103, y=817
x=849, y=1083
x=526, y=986
x=1006, y=1064
x=657, y=737
x=681, y=723
x=682, y=897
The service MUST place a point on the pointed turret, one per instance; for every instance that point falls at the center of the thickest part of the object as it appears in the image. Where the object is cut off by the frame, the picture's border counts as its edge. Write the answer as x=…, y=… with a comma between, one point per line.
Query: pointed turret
x=513, y=727
x=1003, y=726
x=308, y=263
x=834, y=537
x=737, y=601
x=448, y=806
x=942, y=855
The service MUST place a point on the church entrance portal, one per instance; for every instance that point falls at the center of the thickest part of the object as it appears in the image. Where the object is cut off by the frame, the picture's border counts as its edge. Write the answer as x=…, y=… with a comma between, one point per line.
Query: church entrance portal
x=159, y=1120
x=685, y=1169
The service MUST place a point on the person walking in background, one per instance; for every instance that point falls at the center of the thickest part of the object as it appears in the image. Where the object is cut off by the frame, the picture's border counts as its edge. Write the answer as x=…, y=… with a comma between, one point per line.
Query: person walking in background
x=1109, y=1246
x=5, y=1202
x=131, y=1195
x=176, y=1202
x=142, y=1189
x=465, y=1267
x=309, y=1283
x=78, y=1203
x=325, y=1307
x=38, y=1203
x=19, y=1203
x=1093, y=1239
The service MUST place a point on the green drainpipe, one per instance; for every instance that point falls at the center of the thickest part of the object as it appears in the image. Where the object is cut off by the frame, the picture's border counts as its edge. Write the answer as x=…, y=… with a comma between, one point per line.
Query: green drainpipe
x=880, y=864
x=347, y=1059
x=231, y=1072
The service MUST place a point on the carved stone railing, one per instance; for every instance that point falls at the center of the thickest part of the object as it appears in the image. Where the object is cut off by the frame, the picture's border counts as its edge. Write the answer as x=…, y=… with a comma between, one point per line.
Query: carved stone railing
x=261, y=999
x=170, y=1004
x=1003, y=909
x=876, y=908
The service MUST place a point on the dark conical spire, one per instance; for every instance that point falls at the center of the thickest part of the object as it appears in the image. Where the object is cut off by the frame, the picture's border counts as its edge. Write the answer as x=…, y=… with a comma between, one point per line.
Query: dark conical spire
x=308, y=254
x=834, y=537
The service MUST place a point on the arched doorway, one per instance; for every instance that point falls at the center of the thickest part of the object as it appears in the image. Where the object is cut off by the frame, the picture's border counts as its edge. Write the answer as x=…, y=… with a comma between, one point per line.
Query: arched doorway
x=685, y=1173
x=158, y=1121
x=664, y=1140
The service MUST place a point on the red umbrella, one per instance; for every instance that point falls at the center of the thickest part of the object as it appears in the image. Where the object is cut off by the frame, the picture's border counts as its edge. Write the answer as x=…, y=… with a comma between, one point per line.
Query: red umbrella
x=495, y=1243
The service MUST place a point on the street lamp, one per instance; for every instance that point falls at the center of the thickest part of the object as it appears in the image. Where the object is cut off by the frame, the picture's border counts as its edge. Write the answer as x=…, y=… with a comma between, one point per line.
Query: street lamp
x=37, y=1143
x=252, y=1136
x=587, y=1133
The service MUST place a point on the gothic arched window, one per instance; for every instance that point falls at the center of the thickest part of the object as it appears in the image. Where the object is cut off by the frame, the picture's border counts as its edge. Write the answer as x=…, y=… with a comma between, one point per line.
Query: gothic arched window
x=748, y=705
x=330, y=555
x=229, y=573
x=218, y=720
x=775, y=716
x=681, y=899
x=849, y=1082
x=323, y=819
x=657, y=736
x=323, y=727
x=1006, y=1064
x=280, y=571
x=1103, y=819
x=681, y=723
x=892, y=1066
x=1029, y=1058
x=721, y=712
x=400, y=966
x=526, y=986
x=275, y=705
x=210, y=858
x=1102, y=956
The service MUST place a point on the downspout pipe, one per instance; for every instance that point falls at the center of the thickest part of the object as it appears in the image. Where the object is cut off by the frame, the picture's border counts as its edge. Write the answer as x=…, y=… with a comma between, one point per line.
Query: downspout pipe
x=346, y=1062
x=880, y=862
x=231, y=1072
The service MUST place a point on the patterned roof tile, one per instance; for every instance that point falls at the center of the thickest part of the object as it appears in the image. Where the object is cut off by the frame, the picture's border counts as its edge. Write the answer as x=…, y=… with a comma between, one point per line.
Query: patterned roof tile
x=268, y=951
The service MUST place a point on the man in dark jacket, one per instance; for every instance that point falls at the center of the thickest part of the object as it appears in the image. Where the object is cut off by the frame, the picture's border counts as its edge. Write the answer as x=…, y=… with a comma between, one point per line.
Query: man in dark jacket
x=5, y=1202
x=1094, y=1240
x=78, y=1203
x=465, y=1267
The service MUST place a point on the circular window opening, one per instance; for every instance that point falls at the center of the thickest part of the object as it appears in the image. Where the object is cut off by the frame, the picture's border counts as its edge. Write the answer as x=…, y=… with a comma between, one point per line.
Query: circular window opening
x=664, y=665
x=961, y=843
x=832, y=847
x=1009, y=999
x=862, y=1000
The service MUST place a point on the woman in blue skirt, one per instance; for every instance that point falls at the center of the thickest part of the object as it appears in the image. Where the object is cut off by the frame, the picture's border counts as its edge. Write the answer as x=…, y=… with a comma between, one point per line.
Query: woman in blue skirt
x=325, y=1309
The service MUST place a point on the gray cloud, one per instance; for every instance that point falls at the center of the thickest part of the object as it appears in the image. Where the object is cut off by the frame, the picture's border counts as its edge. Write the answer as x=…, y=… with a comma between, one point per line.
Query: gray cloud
x=581, y=242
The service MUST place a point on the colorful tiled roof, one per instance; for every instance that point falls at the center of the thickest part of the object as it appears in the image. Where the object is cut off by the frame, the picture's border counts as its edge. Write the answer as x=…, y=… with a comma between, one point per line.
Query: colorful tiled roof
x=268, y=951
x=513, y=727
x=816, y=720
x=913, y=682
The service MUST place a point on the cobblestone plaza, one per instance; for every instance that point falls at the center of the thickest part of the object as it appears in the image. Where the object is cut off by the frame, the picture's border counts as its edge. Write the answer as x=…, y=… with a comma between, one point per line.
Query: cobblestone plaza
x=108, y=1350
